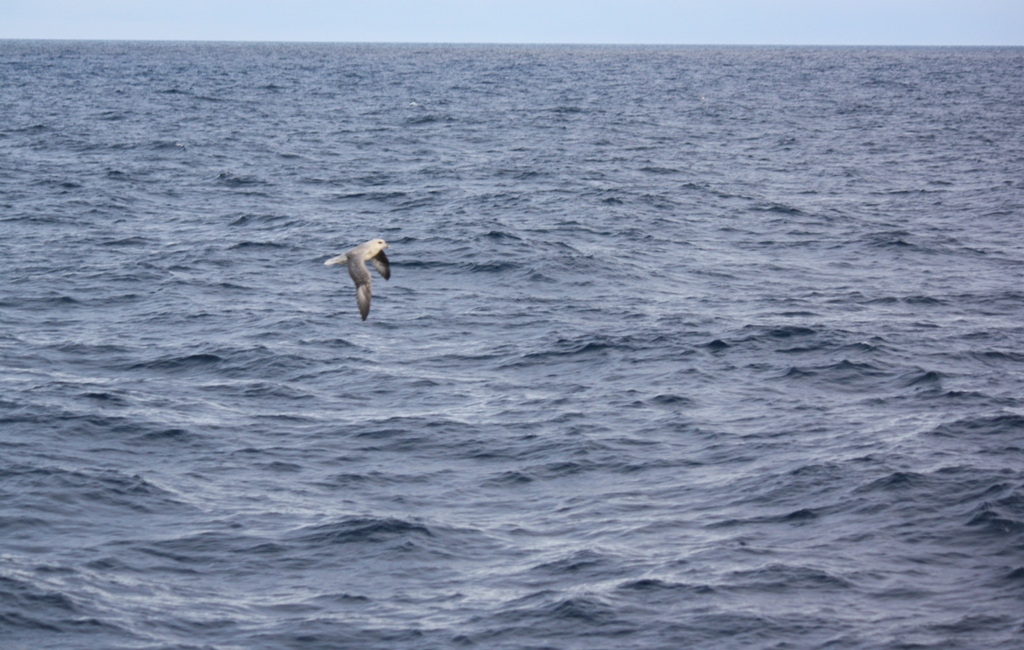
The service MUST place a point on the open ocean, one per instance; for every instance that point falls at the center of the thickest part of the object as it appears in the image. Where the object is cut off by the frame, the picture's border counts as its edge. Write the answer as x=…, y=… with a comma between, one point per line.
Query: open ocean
x=683, y=347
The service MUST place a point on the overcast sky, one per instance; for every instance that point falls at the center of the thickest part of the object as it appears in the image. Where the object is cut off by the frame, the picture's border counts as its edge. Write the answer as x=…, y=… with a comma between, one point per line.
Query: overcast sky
x=799, y=22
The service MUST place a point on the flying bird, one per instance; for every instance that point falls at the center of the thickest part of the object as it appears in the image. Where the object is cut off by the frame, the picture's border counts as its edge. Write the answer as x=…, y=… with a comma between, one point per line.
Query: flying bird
x=372, y=251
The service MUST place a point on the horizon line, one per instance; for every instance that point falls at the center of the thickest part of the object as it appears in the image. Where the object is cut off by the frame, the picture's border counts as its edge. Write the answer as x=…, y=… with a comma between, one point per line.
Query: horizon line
x=492, y=43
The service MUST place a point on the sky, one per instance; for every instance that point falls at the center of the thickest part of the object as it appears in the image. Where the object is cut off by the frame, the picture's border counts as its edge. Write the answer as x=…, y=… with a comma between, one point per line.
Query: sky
x=698, y=22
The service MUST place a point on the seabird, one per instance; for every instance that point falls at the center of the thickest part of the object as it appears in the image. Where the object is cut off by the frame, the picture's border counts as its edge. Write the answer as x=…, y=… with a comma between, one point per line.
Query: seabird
x=356, y=259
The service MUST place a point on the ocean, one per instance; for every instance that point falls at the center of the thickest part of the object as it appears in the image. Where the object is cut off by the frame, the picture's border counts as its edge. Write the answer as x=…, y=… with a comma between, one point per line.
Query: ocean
x=683, y=347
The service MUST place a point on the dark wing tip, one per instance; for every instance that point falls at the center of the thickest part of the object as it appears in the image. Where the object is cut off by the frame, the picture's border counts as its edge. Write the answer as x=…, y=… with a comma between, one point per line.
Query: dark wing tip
x=383, y=266
x=363, y=296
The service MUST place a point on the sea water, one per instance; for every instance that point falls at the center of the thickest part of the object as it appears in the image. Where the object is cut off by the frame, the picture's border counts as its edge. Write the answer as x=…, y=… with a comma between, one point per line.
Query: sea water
x=683, y=347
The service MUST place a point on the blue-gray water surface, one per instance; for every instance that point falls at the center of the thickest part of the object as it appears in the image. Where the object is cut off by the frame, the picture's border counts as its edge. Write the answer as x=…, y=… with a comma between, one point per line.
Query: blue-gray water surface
x=683, y=347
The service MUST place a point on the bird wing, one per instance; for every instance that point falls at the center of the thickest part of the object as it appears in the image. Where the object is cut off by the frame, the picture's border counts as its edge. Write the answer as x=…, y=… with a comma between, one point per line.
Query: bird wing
x=363, y=295
x=380, y=262
x=364, y=291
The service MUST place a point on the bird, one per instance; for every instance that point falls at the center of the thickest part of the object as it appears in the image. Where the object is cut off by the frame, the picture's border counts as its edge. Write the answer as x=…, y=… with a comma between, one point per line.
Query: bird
x=372, y=251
